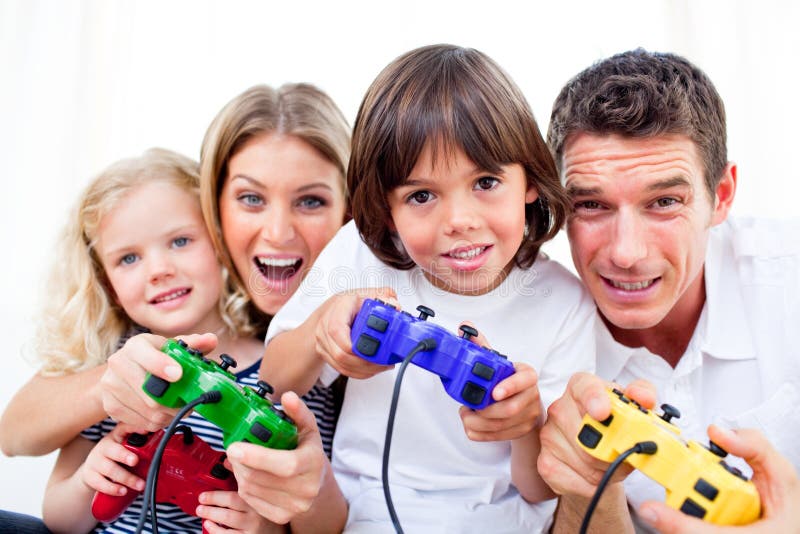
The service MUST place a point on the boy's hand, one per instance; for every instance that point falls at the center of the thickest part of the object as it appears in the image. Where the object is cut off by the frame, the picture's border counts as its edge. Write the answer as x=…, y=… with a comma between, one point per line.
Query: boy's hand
x=121, y=384
x=332, y=332
x=226, y=511
x=517, y=408
x=101, y=471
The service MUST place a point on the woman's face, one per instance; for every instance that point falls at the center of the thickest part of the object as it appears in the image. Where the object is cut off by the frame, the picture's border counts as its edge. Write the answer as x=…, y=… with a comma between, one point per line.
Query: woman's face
x=281, y=202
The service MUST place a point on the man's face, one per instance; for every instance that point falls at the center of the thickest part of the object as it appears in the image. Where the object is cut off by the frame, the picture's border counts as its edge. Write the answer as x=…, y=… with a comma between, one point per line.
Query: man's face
x=640, y=226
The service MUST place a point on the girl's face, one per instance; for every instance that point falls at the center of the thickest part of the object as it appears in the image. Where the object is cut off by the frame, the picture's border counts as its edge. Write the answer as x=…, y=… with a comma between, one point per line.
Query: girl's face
x=281, y=202
x=160, y=261
x=460, y=224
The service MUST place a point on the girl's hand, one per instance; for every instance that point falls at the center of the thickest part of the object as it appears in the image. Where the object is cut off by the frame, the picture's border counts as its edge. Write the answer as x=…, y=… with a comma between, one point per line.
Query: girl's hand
x=102, y=470
x=121, y=384
x=281, y=484
x=226, y=511
x=332, y=332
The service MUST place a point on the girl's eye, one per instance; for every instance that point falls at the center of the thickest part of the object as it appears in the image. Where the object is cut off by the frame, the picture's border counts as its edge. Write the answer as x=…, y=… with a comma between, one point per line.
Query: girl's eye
x=128, y=259
x=311, y=202
x=419, y=197
x=250, y=199
x=487, y=183
x=180, y=242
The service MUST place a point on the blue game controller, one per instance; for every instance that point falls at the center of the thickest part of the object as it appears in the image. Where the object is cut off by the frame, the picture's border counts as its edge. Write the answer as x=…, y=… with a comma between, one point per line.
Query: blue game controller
x=381, y=334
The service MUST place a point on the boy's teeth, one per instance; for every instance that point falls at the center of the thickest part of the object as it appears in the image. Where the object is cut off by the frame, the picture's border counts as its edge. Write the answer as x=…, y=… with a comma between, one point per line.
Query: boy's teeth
x=173, y=295
x=632, y=286
x=277, y=262
x=467, y=254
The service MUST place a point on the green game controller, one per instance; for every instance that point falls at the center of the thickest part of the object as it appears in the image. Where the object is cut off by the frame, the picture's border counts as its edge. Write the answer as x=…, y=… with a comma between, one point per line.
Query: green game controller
x=243, y=413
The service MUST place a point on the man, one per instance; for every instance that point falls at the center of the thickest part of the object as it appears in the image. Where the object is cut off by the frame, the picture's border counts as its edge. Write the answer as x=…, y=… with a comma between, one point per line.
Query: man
x=701, y=306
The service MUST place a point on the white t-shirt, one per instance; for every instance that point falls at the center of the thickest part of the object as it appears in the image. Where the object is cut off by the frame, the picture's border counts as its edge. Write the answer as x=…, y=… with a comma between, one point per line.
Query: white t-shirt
x=440, y=480
x=742, y=366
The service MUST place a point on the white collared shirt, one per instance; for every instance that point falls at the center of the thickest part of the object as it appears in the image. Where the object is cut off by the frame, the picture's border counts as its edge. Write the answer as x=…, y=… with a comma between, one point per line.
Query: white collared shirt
x=742, y=366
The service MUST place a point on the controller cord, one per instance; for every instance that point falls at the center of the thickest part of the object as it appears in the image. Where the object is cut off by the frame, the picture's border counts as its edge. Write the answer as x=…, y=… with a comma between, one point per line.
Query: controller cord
x=208, y=397
x=643, y=447
x=424, y=345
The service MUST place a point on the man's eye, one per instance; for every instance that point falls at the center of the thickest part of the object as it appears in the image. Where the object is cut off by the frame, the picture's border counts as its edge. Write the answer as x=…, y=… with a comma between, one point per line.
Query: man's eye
x=487, y=183
x=666, y=202
x=419, y=197
x=587, y=205
x=128, y=259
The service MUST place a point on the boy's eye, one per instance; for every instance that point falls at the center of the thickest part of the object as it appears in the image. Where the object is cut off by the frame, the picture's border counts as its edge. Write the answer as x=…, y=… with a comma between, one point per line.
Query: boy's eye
x=180, y=242
x=419, y=197
x=486, y=183
x=250, y=199
x=128, y=259
x=311, y=202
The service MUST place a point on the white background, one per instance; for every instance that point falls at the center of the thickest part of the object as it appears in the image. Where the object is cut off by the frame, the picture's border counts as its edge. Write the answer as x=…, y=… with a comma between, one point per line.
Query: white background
x=86, y=83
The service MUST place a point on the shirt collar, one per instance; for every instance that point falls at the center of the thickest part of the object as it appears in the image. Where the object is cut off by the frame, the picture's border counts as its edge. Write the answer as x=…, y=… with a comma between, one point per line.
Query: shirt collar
x=724, y=332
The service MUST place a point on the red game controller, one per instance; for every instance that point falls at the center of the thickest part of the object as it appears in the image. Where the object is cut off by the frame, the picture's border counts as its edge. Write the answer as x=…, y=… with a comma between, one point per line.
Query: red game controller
x=188, y=468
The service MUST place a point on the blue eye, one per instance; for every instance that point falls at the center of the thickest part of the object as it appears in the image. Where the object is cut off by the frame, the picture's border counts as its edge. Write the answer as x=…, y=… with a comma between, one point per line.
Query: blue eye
x=311, y=202
x=250, y=199
x=128, y=259
x=180, y=242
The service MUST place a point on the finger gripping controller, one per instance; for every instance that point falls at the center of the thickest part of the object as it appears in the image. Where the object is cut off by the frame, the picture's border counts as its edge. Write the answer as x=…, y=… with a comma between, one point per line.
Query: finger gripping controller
x=469, y=372
x=697, y=480
x=188, y=468
x=243, y=414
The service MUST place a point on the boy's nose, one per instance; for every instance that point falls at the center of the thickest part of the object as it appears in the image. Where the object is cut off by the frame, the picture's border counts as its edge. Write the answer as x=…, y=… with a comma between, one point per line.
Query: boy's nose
x=460, y=217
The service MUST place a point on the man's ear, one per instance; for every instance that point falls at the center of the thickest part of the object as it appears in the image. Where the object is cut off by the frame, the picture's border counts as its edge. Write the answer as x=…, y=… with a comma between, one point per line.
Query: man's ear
x=724, y=194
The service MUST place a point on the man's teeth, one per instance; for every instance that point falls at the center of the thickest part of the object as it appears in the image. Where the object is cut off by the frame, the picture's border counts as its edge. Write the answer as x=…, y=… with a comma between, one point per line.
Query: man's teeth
x=632, y=286
x=467, y=254
x=171, y=296
x=278, y=262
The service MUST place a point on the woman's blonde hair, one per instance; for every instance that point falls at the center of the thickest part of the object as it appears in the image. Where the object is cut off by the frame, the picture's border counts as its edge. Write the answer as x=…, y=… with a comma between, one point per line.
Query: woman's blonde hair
x=81, y=324
x=298, y=109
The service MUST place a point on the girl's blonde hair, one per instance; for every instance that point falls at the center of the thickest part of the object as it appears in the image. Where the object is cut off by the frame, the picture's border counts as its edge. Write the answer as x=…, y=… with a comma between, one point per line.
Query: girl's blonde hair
x=81, y=324
x=298, y=109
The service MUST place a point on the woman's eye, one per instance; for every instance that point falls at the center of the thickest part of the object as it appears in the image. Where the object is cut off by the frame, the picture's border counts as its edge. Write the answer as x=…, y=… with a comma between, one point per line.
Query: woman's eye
x=487, y=183
x=128, y=259
x=250, y=199
x=311, y=202
x=180, y=242
x=419, y=197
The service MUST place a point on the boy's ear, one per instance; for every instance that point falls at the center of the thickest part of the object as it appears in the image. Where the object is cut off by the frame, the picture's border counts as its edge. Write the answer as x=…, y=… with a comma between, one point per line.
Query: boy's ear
x=531, y=195
x=724, y=194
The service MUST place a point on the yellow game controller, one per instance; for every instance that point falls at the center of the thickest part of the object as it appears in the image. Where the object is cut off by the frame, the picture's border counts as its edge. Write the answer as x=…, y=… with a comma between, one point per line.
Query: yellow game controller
x=697, y=479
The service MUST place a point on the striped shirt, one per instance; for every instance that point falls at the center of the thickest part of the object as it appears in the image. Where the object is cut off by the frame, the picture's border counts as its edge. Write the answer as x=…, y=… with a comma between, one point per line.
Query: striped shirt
x=171, y=519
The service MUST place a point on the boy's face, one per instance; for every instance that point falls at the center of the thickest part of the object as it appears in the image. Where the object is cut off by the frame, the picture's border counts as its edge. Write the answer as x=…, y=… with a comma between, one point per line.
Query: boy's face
x=460, y=224
x=640, y=226
x=160, y=262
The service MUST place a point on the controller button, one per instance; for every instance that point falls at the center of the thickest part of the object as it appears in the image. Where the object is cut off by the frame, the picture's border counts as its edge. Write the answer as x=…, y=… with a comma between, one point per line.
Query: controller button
x=376, y=323
x=483, y=371
x=706, y=489
x=617, y=392
x=156, y=386
x=467, y=332
x=689, y=507
x=220, y=471
x=733, y=470
x=589, y=436
x=137, y=440
x=473, y=393
x=195, y=352
x=226, y=361
x=260, y=431
x=367, y=345
x=607, y=420
x=716, y=449
x=183, y=344
x=264, y=388
x=669, y=412
x=425, y=312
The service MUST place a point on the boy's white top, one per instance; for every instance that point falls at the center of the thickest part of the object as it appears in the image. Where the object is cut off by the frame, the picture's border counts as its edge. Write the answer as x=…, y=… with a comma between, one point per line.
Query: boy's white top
x=440, y=480
x=742, y=366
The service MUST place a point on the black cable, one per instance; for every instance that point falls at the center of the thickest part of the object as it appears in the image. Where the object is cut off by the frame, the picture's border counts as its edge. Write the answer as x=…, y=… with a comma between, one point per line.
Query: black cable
x=208, y=397
x=425, y=344
x=643, y=447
